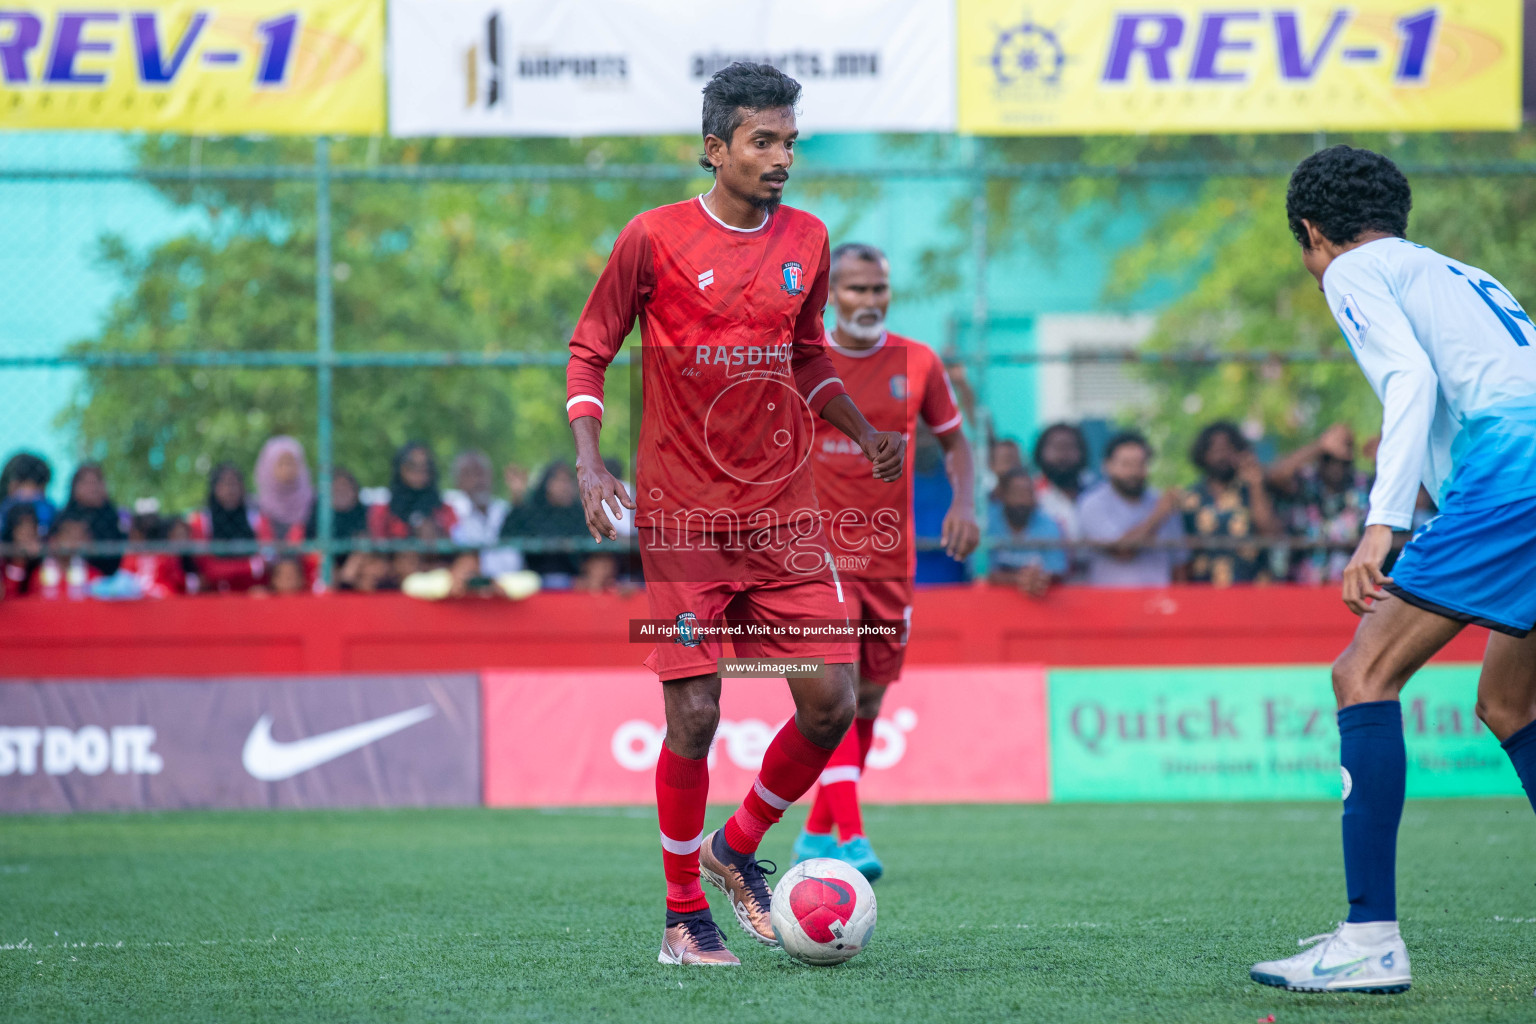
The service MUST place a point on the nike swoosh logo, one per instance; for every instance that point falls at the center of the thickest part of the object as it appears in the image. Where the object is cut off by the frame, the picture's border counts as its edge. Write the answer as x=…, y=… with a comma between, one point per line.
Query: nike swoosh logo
x=271, y=761
x=1318, y=970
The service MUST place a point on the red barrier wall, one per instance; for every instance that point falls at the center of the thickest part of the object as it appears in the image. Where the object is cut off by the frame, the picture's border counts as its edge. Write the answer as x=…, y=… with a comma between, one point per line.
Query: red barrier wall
x=204, y=636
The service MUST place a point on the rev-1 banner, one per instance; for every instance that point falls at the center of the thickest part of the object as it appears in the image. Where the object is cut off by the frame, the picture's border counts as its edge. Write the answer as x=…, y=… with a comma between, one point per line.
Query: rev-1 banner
x=310, y=741
x=636, y=67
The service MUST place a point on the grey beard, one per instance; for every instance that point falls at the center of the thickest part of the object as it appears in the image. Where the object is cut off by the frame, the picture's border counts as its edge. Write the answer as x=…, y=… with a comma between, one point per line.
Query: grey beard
x=863, y=332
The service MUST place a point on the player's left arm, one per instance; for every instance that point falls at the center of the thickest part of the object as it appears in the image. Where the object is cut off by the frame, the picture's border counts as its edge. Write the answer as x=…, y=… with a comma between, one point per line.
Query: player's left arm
x=960, y=533
x=818, y=383
x=1389, y=352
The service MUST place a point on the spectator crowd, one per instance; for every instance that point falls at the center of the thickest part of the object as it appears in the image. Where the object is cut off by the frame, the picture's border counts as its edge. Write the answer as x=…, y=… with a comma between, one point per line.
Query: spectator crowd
x=1062, y=520
x=465, y=532
x=1238, y=521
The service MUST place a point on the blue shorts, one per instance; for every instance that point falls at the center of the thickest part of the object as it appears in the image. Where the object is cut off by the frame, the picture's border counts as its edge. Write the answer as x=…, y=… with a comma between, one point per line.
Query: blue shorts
x=1474, y=566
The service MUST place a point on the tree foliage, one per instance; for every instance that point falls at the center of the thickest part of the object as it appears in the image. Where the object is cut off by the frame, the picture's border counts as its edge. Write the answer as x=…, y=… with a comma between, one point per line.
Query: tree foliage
x=436, y=266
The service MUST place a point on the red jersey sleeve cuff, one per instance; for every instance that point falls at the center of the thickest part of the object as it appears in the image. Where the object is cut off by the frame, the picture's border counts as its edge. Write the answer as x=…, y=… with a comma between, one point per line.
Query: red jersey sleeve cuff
x=823, y=393
x=584, y=405
x=948, y=425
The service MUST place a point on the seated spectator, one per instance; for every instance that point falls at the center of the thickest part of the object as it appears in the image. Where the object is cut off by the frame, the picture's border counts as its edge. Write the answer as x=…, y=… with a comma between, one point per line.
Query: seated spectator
x=23, y=535
x=1061, y=454
x=413, y=496
x=1003, y=455
x=552, y=510
x=158, y=574
x=24, y=481
x=349, y=516
x=1230, y=501
x=64, y=573
x=1018, y=518
x=285, y=498
x=364, y=572
x=227, y=518
x=287, y=576
x=478, y=513
x=516, y=478
x=177, y=530
x=1323, y=498
x=90, y=503
x=1124, y=513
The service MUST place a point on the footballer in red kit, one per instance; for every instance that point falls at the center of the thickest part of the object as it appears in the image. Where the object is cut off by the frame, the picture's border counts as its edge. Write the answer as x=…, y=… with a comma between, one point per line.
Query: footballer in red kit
x=896, y=382
x=729, y=290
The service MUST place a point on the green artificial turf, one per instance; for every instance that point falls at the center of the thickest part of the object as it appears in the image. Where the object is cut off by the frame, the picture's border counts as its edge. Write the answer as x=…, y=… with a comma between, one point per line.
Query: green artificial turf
x=1051, y=913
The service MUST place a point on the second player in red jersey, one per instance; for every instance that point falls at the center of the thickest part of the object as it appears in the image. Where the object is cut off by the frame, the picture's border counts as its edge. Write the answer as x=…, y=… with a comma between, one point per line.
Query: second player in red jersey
x=896, y=382
x=729, y=290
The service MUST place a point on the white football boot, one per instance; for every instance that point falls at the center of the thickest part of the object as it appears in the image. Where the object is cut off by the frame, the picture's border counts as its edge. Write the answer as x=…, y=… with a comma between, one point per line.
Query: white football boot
x=1367, y=957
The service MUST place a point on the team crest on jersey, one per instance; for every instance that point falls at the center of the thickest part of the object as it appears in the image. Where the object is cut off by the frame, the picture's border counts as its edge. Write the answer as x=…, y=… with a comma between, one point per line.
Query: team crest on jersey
x=899, y=386
x=688, y=630
x=794, y=278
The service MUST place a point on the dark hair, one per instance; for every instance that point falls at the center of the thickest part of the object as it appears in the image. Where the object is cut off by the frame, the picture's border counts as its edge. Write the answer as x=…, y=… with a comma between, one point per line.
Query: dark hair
x=24, y=468
x=1209, y=433
x=14, y=517
x=743, y=86
x=1077, y=435
x=1124, y=438
x=1346, y=192
x=150, y=525
x=855, y=251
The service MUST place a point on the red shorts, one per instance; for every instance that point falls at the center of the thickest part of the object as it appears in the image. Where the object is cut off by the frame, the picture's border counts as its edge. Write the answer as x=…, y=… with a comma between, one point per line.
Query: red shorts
x=733, y=583
x=880, y=658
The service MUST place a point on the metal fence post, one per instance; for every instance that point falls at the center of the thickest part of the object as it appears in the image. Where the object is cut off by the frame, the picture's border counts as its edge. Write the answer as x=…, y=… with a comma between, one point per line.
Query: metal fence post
x=326, y=355
x=979, y=314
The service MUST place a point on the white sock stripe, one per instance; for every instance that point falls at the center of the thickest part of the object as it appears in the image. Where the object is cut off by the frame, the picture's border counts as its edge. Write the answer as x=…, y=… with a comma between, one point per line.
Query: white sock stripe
x=682, y=846
x=768, y=796
x=840, y=773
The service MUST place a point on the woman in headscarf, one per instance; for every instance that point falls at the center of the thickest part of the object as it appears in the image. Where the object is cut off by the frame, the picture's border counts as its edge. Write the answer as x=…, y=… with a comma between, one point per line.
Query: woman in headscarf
x=349, y=516
x=552, y=509
x=227, y=517
x=285, y=497
x=89, y=501
x=413, y=496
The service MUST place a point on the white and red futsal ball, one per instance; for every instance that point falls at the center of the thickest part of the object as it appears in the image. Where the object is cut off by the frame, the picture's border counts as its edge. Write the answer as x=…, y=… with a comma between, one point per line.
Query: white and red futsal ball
x=823, y=911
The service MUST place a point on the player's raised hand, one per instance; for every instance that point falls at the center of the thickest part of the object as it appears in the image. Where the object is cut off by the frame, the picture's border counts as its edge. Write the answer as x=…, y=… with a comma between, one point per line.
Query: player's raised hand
x=601, y=492
x=887, y=452
x=959, y=534
x=1363, y=578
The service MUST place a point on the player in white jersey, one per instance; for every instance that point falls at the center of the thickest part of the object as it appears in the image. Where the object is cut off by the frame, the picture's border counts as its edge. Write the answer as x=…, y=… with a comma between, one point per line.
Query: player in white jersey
x=1452, y=356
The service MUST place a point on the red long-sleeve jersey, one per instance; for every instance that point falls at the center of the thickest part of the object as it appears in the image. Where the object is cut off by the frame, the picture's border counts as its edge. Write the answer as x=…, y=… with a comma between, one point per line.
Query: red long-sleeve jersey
x=895, y=383
x=733, y=367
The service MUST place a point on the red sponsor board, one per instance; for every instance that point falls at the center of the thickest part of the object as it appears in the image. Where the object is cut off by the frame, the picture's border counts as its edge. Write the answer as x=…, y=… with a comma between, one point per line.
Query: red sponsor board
x=947, y=734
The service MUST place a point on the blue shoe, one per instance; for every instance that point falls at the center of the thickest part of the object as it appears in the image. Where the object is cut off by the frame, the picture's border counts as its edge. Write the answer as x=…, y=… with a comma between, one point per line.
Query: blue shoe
x=861, y=855
x=810, y=844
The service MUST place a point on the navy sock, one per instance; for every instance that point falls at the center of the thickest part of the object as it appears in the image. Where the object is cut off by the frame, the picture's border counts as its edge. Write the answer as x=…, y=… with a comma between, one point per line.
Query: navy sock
x=673, y=917
x=1521, y=748
x=1376, y=771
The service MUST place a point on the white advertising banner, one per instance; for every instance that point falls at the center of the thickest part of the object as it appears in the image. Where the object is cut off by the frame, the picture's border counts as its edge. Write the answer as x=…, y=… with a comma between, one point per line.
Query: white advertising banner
x=636, y=67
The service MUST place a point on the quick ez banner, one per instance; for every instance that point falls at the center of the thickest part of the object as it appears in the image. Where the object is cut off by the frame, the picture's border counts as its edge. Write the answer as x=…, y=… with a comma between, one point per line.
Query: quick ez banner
x=1265, y=733
x=195, y=66
x=1134, y=66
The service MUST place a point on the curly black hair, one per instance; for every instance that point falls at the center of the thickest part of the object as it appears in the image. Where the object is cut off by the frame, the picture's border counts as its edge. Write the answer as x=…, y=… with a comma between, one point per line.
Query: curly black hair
x=1209, y=433
x=1346, y=192
x=1124, y=438
x=741, y=87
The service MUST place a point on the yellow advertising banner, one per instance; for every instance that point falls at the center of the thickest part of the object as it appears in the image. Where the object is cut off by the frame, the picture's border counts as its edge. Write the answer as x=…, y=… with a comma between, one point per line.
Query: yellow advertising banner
x=211, y=68
x=1119, y=66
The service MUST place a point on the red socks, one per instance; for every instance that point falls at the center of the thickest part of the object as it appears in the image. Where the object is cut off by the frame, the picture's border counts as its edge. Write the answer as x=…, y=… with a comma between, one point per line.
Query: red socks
x=790, y=768
x=682, y=787
x=837, y=800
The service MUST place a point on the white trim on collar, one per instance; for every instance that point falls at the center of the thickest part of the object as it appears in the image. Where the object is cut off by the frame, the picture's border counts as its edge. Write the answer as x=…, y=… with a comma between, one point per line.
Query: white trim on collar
x=855, y=353
x=746, y=231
